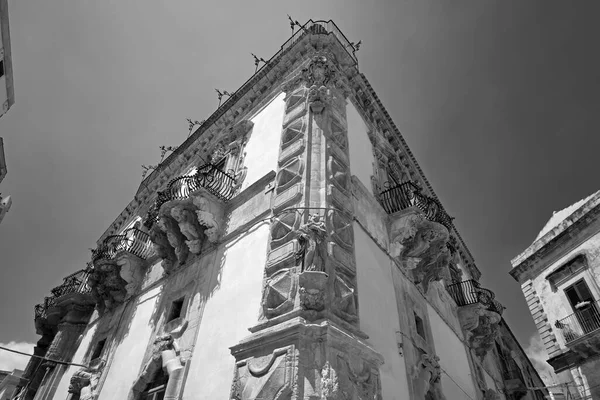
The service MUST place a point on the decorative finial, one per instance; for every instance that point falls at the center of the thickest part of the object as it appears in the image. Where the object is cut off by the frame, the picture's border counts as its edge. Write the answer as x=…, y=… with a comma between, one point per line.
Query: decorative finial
x=220, y=95
x=163, y=151
x=257, y=60
x=191, y=124
x=355, y=46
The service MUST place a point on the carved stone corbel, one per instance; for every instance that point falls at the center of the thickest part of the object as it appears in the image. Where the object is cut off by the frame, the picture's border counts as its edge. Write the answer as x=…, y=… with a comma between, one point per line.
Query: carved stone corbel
x=490, y=394
x=131, y=270
x=421, y=247
x=189, y=227
x=85, y=381
x=427, y=377
x=482, y=337
x=108, y=288
x=210, y=215
x=163, y=248
x=176, y=239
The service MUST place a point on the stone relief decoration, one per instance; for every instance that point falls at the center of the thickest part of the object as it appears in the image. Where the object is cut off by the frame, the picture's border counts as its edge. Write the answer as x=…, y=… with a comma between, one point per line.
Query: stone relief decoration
x=420, y=246
x=289, y=174
x=184, y=226
x=338, y=134
x=165, y=355
x=176, y=239
x=270, y=377
x=293, y=132
x=426, y=378
x=338, y=174
x=84, y=382
x=312, y=237
x=131, y=270
x=189, y=227
x=279, y=293
x=107, y=286
x=481, y=338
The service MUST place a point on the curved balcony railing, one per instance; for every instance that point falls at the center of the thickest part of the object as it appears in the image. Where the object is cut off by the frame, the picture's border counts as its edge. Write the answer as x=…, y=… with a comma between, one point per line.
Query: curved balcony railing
x=74, y=283
x=582, y=322
x=220, y=184
x=39, y=311
x=470, y=292
x=132, y=240
x=407, y=194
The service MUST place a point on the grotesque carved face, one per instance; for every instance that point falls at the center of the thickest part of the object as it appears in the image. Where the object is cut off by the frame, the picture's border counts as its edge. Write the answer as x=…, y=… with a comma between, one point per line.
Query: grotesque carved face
x=178, y=214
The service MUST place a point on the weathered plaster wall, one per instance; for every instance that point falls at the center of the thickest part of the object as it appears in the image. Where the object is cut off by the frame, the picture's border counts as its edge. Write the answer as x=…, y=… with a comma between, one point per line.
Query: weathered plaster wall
x=78, y=358
x=125, y=365
x=377, y=311
x=228, y=313
x=262, y=149
x=359, y=147
x=453, y=359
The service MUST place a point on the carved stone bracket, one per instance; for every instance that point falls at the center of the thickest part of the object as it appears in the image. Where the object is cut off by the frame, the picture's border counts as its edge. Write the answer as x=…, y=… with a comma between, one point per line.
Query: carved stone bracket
x=108, y=288
x=420, y=246
x=427, y=377
x=184, y=225
x=482, y=338
x=85, y=381
x=490, y=394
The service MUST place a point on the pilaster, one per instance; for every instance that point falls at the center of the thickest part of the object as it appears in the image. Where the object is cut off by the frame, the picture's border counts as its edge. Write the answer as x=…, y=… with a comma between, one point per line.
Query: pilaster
x=307, y=342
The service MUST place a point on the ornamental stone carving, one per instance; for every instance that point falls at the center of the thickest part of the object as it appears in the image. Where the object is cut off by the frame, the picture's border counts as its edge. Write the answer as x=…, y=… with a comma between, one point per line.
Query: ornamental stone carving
x=176, y=239
x=189, y=227
x=210, y=216
x=108, y=288
x=163, y=248
x=312, y=237
x=490, y=394
x=279, y=294
x=427, y=377
x=84, y=382
x=482, y=338
x=420, y=246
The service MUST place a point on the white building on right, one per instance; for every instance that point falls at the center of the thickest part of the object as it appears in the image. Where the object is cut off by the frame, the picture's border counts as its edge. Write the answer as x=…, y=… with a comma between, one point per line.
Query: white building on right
x=559, y=274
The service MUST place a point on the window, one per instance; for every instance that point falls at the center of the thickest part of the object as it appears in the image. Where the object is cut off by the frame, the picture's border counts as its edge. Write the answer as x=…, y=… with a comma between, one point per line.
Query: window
x=98, y=349
x=156, y=389
x=1, y=68
x=420, y=326
x=578, y=293
x=175, y=311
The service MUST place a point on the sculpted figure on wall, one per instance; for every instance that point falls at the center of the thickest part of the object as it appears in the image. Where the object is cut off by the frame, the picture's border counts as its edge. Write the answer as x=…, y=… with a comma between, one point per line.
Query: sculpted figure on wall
x=131, y=270
x=85, y=381
x=163, y=248
x=313, y=244
x=175, y=237
x=481, y=339
x=107, y=286
x=427, y=378
x=209, y=215
x=189, y=227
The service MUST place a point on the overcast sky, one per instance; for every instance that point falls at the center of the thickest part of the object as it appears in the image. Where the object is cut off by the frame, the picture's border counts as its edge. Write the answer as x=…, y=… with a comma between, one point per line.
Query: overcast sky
x=498, y=101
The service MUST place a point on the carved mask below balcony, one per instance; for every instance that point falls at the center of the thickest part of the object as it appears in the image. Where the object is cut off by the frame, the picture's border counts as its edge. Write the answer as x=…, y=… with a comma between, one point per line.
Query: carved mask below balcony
x=107, y=287
x=84, y=382
x=420, y=246
x=426, y=378
x=482, y=338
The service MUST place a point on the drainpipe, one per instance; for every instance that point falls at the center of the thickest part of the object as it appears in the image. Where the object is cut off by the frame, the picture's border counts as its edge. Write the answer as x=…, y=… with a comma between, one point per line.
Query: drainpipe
x=170, y=361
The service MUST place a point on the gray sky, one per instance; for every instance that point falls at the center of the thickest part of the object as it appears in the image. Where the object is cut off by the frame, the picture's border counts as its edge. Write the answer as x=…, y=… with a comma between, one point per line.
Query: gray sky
x=498, y=100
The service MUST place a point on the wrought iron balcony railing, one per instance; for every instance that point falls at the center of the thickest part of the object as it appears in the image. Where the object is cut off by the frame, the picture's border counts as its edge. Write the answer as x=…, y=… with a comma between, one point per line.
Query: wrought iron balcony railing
x=132, y=240
x=583, y=322
x=471, y=292
x=74, y=283
x=407, y=194
x=218, y=183
x=39, y=311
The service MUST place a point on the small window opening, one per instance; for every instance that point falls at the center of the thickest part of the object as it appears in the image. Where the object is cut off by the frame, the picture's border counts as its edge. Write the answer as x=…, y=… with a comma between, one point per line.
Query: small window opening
x=176, y=308
x=98, y=349
x=1, y=68
x=420, y=326
x=156, y=389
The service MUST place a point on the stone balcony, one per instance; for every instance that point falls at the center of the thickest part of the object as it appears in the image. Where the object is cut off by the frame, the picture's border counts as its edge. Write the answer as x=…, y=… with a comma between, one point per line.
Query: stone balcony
x=580, y=331
x=118, y=266
x=189, y=213
x=406, y=195
x=479, y=314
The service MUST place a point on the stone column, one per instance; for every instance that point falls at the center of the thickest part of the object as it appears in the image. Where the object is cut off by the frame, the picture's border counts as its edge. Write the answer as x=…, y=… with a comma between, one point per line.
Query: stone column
x=308, y=343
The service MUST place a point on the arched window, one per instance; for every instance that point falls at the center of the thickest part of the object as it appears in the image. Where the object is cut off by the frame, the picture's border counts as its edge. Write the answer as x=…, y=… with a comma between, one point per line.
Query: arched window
x=156, y=389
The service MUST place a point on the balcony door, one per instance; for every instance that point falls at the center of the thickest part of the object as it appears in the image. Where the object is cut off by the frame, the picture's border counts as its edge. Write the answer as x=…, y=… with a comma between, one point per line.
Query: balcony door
x=588, y=314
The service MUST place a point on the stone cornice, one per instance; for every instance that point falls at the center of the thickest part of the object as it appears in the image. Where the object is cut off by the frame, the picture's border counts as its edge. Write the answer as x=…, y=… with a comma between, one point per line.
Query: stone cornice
x=556, y=238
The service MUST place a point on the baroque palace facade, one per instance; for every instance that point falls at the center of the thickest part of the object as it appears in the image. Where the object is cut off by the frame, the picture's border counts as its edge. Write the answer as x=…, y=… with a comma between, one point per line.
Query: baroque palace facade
x=559, y=277
x=290, y=248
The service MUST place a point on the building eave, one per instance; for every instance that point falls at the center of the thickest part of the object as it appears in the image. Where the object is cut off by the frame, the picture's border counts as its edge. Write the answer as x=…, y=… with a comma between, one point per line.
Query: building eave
x=556, y=237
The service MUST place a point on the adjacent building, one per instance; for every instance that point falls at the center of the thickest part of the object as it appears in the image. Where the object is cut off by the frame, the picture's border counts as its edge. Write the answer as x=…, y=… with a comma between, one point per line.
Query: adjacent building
x=290, y=248
x=8, y=383
x=559, y=275
x=7, y=93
